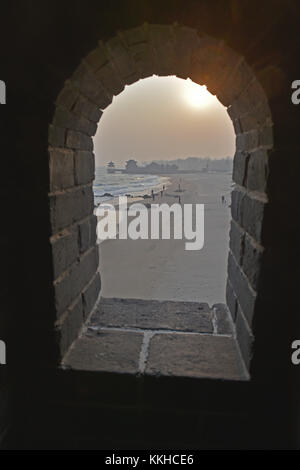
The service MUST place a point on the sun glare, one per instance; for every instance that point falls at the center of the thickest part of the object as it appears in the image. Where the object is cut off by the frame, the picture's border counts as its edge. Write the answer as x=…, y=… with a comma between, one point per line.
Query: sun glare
x=198, y=96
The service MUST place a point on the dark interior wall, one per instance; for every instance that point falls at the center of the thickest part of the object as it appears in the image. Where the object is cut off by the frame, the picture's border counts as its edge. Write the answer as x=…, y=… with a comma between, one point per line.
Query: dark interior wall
x=41, y=45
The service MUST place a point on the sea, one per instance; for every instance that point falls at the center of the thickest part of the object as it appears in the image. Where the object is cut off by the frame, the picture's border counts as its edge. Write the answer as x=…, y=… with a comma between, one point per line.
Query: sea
x=108, y=186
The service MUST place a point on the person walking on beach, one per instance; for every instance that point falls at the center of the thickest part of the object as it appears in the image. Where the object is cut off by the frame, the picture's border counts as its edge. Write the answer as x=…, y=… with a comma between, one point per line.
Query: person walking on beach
x=152, y=194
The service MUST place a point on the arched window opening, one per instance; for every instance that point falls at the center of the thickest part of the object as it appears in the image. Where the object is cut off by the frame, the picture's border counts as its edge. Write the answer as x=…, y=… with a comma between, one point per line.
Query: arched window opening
x=220, y=335
x=166, y=140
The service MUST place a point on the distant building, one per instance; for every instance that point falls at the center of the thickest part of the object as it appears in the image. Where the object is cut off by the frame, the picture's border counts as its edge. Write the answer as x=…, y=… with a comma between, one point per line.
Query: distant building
x=131, y=166
x=110, y=167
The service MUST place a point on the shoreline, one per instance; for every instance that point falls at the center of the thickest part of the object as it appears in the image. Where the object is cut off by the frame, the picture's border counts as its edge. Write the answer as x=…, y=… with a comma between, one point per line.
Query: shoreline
x=162, y=269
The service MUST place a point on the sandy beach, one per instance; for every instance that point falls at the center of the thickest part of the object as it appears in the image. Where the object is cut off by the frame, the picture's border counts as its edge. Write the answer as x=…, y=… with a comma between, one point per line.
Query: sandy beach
x=163, y=269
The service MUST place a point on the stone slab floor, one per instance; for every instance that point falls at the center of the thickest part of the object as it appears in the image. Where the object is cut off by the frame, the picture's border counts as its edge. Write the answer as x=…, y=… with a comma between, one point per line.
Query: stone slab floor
x=158, y=338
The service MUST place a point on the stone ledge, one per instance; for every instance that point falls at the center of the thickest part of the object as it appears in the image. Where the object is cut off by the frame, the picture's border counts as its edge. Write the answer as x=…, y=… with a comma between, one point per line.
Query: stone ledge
x=139, y=337
x=203, y=356
x=154, y=315
x=108, y=351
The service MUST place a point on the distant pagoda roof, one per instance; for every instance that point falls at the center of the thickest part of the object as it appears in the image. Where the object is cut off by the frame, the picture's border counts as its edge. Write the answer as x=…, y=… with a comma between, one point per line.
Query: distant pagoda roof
x=111, y=164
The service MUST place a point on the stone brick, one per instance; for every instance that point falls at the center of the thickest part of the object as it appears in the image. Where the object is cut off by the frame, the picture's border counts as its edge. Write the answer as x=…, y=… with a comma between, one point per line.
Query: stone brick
x=225, y=61
x=240, y=165
x=163, y=44
x=70, y=207
x=97, y=58
x=253, y=210
x=86, y=237
x=84, y=163
x=249, y=98
x=64, y=251
x=186, y=41
x=74, y=281
x=56, y=136
x=237, y=237
x=90, y=295
x=248, y=141
x=231, y=300
x=154, y=314
x=84, y=107
x=65, y=118
x=237, y=197
x=120, y=56
x=245, y=294
x=61, y=163
x=189, y=355
x=110, y=79
x=235, y=84
x=224, y=323
x=78, y=141
x=84, y=79
x=245, y=338
x=257, y=171
x=67, y=96
x=203, y=59
x=68, y=327
x=252, y=260
x=142, y=55
x=109, y=351
x=256, y=118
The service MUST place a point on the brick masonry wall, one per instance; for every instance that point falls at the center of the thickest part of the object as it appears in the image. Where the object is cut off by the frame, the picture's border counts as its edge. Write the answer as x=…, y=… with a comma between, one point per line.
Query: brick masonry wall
x=131, y=55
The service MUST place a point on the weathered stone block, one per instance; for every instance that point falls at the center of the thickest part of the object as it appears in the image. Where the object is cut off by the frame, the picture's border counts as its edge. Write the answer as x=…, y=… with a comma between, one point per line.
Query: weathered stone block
x=70, y=207
x=224, y=323
x=256, y=118
x=253, y=210
x=97, y=58
x=240, y=165
x=245, y=338
x=203, y=60
x=110, y=79
x=237, y=236
x=162, y=40
x=64, y=251
x=237, y=197
x=245, y=294
x=154, y=314
x=87, y=233
x=252, y=260
x=65, y=118
x=231, y=300
x=235, y=84
x=84, y=107
x=142, y=55
x=186, y=41
x=84, y=79
x=67, y=96
x=78, y=141
x=68, y=327
x=120, y=56
x=56, y=136
x=189, y=355
x=84, y=165
x=110, y=351
x=73, y=282
x=90, y=295
x=61, y=164
x=257, y=171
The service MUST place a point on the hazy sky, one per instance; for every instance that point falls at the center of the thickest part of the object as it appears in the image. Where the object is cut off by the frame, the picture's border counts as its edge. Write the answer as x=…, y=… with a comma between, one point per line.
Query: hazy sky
x=163, y=118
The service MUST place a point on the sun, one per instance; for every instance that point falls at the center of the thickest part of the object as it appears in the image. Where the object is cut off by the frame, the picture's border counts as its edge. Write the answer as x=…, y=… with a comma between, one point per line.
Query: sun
x=197, y=96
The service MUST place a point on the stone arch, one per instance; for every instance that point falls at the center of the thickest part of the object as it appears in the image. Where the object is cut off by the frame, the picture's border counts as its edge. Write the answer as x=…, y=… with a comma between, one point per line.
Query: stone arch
x=129, y=56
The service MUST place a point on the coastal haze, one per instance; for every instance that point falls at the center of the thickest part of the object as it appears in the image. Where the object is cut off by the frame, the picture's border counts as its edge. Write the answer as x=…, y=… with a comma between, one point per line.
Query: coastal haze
x=172, y=122
x=163, y=118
